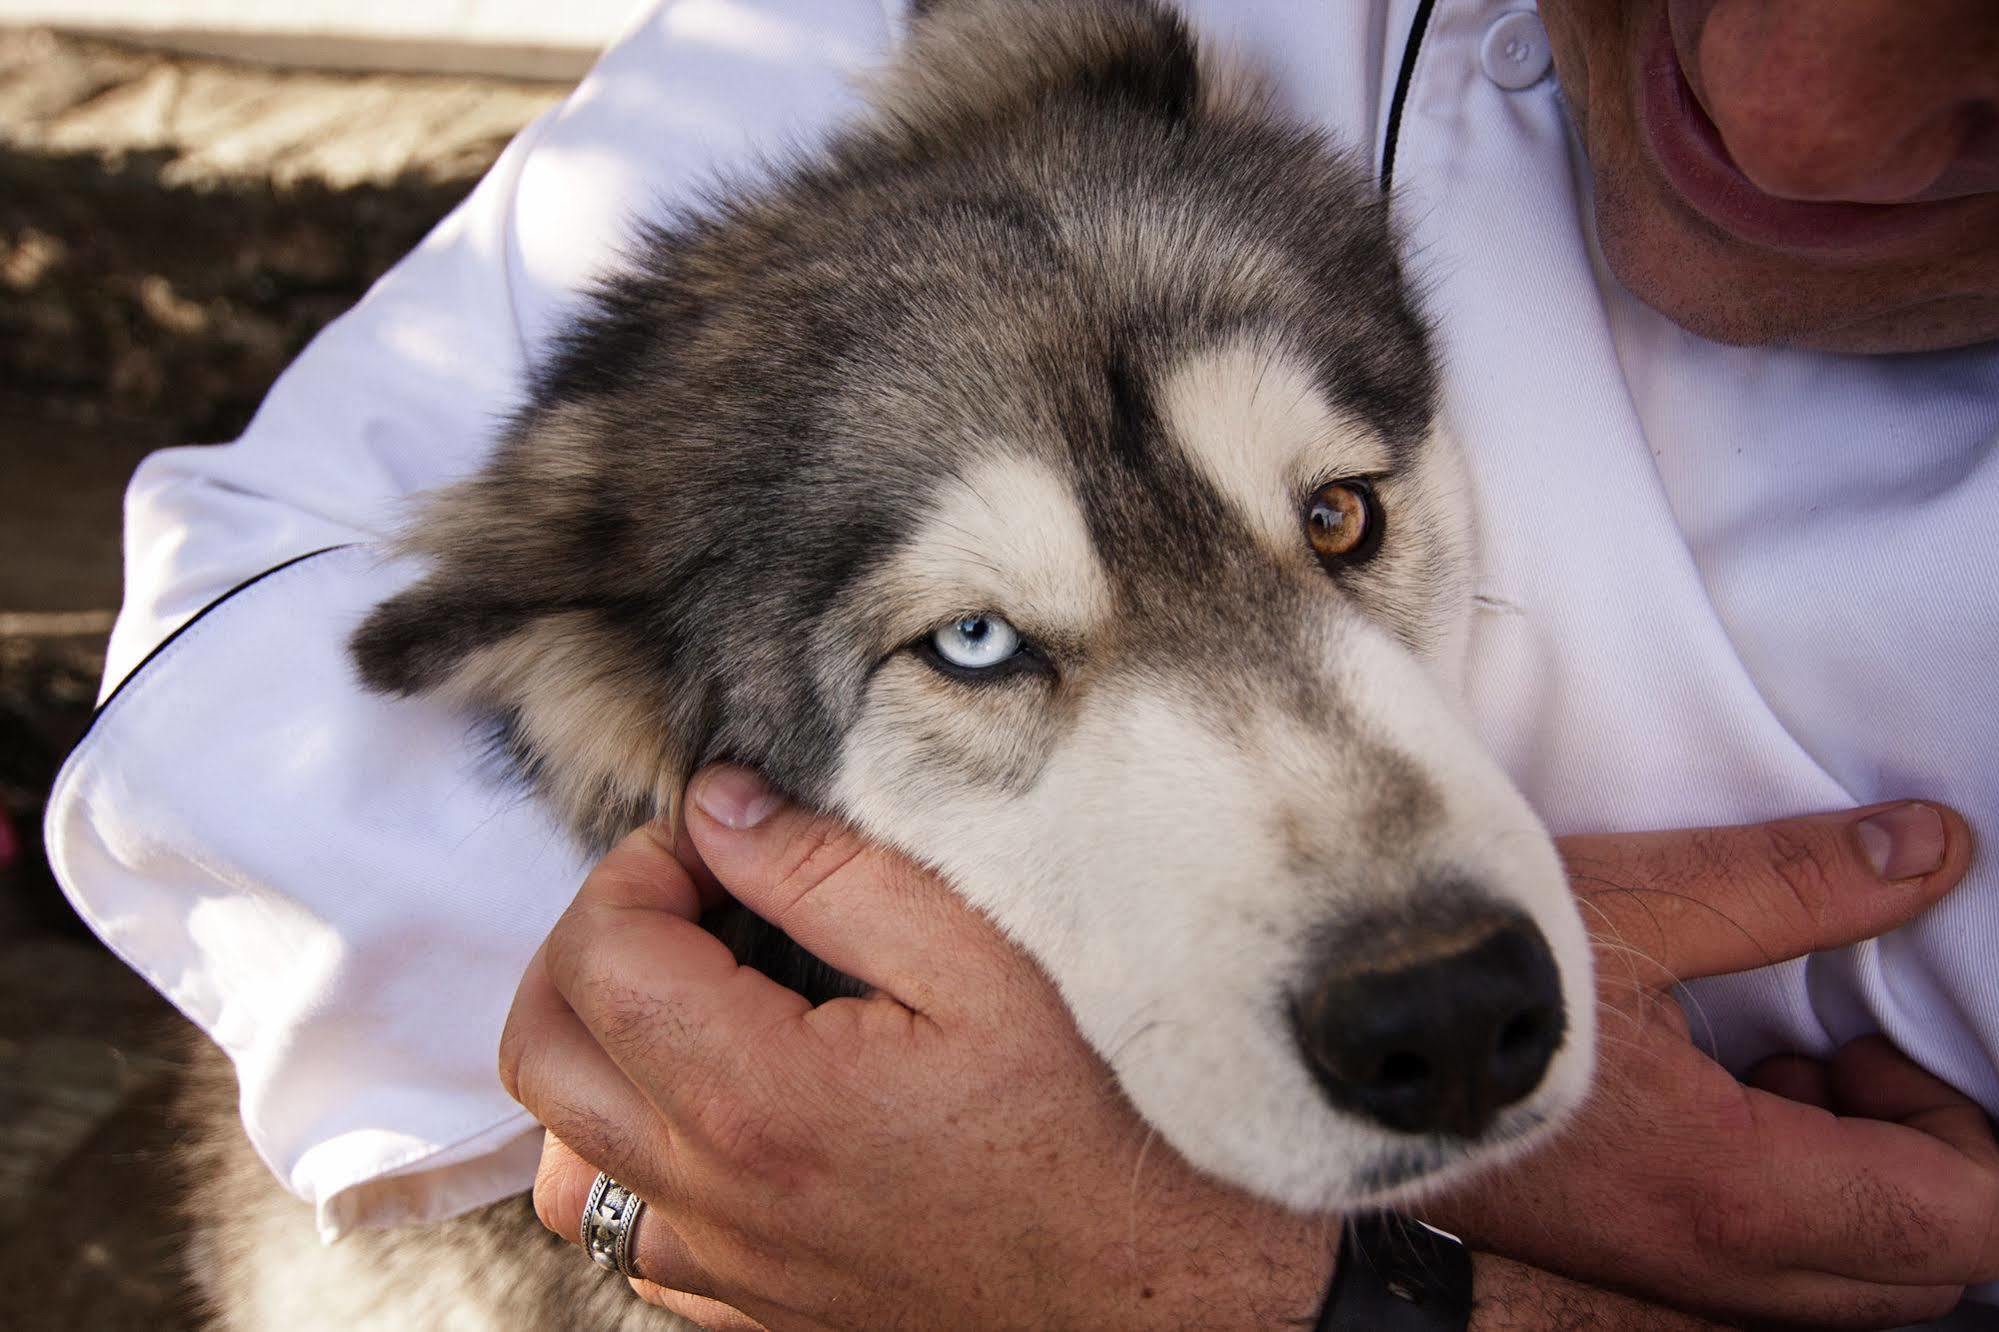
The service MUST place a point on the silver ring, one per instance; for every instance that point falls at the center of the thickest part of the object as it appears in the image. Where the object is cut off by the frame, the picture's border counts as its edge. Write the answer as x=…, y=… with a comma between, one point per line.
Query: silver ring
x=610, y=1215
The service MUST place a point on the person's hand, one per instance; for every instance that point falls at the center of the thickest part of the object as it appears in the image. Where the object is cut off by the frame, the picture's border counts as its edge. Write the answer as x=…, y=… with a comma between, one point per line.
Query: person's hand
x=1512, y=1297
x=896, y=1137
x=1857, y=1192
x=946, y=1153
x=956, y=1157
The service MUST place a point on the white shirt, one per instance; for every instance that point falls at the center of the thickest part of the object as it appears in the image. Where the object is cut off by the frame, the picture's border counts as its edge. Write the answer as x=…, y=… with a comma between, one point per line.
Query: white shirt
x=1718, y=585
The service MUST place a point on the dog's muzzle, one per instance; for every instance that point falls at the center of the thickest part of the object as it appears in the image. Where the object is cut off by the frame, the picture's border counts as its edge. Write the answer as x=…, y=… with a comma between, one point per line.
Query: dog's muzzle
x=1433, y=1019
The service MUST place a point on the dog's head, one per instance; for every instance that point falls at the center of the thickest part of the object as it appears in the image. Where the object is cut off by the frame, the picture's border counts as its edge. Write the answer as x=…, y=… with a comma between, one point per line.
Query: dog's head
x=1045, y=480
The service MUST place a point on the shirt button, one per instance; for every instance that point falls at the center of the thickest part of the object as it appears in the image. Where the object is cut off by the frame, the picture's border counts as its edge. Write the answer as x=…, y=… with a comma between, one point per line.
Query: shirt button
x=1515, y=52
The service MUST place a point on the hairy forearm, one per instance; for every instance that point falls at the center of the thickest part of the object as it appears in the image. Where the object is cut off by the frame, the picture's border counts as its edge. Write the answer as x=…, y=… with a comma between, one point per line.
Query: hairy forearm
x=1508, y=1297
x=1281, y=1282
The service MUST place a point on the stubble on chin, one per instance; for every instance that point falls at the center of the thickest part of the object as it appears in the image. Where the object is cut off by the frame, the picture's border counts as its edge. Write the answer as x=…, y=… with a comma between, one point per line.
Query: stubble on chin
x=1725, y=291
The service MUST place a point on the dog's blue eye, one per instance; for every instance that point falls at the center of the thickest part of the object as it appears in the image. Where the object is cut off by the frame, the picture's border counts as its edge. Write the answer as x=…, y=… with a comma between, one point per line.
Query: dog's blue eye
x=977, y=642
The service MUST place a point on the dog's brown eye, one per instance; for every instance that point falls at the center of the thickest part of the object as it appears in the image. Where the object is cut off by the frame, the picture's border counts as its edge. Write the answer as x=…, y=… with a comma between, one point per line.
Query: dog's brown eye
x=1344, y=521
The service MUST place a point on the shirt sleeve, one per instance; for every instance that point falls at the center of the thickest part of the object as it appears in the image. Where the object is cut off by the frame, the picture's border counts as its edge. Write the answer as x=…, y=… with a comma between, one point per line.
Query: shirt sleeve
x=340, y=888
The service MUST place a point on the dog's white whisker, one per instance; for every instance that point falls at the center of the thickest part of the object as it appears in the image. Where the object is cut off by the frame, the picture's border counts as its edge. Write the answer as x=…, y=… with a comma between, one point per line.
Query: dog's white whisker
x=1137, y=1168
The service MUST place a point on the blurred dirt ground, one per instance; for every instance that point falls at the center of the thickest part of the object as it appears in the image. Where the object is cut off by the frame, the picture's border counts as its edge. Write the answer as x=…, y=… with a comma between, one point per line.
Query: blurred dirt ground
x=172, y=232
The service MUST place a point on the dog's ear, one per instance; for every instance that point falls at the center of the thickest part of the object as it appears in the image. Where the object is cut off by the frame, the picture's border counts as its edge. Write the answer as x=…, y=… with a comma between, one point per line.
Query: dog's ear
x=517, y=623
x=415, y=641
x=970, y=61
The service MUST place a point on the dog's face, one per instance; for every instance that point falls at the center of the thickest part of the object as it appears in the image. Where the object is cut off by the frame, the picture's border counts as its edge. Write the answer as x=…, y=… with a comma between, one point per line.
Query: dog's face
x=1051, y=489
x=1165, y=710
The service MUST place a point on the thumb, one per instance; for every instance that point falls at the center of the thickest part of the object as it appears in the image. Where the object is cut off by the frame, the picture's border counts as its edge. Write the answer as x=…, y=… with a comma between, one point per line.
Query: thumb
x=861, y=908
x=1706, y=901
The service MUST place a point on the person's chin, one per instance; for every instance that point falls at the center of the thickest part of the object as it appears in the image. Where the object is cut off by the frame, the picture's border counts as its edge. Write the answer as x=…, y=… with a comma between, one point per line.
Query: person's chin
x=1681, y=268
x=1724, y=290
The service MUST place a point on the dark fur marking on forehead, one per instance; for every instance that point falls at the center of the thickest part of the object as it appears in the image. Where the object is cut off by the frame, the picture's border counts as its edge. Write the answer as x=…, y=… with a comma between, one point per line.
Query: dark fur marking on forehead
x=1133, y=422
x=1153, y=514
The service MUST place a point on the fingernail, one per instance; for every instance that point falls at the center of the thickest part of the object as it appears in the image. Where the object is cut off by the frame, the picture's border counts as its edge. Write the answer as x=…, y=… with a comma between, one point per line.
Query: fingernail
x=1906, y=842
x=735, y=797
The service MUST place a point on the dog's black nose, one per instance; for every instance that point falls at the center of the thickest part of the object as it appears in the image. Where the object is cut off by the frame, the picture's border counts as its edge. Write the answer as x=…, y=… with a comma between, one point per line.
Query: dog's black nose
x=1441, y=1043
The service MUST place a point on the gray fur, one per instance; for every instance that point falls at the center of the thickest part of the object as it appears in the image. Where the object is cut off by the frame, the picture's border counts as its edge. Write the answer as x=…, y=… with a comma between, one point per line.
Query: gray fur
x=260, y=1266
x=685, y=548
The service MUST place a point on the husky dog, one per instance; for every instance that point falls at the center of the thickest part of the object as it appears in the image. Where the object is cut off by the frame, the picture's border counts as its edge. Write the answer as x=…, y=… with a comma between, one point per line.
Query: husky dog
x=1043, y=477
